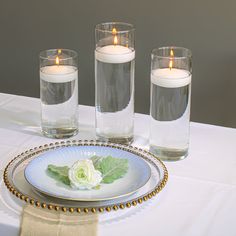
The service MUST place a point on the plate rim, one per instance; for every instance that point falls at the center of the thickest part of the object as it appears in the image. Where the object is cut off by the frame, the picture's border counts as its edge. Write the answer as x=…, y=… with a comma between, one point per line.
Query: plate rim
x=93, y=199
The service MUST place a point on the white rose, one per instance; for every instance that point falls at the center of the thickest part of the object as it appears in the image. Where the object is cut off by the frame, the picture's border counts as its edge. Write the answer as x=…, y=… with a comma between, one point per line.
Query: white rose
x=83, y=175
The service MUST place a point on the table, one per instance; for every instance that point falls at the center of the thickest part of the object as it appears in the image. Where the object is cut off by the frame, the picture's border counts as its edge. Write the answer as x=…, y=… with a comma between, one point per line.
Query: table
x=200, y=196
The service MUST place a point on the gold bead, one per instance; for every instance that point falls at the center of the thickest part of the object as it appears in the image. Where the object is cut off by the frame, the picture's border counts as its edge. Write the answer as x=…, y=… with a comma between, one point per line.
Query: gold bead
x=50, y=207
x=78, y=210
x=71, y=209
x=134, y=203
x=108, y=209
x=100, y=209
x=64, y=209
x=86, y=210
x=93, y=210
x=57, y=208
x=18, y=194
x=154, y=193
x=26, y=199
x=140, y=200
x=145, y=198
x=31, y=201
x=22, y=197
x=37, y=204
x=122, y=206
x=44, y=205
x=128, y=204
x=149, y=195
x=115, y=208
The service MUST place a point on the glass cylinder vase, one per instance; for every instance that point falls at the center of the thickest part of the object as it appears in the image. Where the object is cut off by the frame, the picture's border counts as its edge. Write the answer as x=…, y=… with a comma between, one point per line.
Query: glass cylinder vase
x=171, y=73
x=114, y=82
x=59, y=92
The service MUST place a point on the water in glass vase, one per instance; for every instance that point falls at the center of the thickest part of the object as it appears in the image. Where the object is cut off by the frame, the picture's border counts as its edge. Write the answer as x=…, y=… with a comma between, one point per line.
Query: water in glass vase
x=170, y=111
x=59, y=102
x=114, y=101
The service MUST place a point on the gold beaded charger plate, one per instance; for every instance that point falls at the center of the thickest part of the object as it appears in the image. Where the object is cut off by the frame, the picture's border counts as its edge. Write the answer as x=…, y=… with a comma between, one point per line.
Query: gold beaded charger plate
x=16, y=183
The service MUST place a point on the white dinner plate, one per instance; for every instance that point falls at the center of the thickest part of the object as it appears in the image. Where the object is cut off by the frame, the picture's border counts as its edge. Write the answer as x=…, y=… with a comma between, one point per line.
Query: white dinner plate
x=36, y=174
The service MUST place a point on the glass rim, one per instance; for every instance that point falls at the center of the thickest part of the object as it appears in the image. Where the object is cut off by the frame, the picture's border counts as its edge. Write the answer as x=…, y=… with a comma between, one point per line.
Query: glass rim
x=131, y=27
x=73, y=52
x=155, y=51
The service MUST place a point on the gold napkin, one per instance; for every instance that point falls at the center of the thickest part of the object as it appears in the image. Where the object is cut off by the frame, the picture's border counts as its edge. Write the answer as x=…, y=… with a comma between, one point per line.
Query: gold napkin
x=42, y=222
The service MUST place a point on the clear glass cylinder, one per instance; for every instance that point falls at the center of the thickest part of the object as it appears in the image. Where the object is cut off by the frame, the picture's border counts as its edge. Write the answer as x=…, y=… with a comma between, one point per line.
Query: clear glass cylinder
x=171, y=75
x=59, y=92
x=114, y=82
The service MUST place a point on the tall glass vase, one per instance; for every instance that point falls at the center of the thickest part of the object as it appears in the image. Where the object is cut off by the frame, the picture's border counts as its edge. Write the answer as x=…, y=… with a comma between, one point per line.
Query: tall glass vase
x=114, y=82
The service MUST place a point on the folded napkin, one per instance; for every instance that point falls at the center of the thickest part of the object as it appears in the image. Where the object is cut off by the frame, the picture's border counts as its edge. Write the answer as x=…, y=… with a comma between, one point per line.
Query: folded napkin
x=43, y=222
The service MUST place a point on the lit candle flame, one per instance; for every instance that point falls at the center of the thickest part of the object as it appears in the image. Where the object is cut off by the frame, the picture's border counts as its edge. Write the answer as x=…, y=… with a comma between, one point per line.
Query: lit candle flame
x=171, y=53
x=57, y=60
x=114, y=31
x=59, y=51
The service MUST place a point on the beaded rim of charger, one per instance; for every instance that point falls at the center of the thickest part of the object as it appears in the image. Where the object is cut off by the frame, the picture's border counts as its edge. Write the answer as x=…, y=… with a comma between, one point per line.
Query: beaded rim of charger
x=151, y=158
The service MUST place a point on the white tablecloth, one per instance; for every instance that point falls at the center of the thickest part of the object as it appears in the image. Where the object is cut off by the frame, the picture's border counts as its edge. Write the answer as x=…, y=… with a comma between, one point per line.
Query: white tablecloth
x=199, y=199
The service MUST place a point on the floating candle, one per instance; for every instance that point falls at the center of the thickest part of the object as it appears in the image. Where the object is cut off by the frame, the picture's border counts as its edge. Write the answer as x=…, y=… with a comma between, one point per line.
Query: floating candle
x=170, y=78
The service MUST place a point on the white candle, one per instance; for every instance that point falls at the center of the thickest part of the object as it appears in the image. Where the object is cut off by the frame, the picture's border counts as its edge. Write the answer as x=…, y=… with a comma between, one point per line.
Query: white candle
x=58, y=73
x=114, y=54
x=170, y=78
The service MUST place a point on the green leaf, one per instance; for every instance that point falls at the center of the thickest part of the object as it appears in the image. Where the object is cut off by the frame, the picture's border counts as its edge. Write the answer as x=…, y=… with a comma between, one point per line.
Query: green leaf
x=110, y=167
x=96, y=162
x=59, y=173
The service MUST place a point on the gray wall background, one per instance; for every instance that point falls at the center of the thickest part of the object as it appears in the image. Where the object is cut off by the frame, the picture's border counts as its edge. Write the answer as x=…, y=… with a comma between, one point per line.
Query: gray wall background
x=207, y=27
